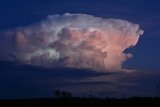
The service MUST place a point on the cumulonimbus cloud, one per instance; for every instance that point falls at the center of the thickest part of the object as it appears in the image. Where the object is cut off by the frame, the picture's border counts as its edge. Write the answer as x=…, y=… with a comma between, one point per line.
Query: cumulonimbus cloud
x=72, y=40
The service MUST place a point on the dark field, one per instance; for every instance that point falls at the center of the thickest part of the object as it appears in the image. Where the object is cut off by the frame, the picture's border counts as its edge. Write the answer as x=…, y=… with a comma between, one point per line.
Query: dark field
x=74, y=102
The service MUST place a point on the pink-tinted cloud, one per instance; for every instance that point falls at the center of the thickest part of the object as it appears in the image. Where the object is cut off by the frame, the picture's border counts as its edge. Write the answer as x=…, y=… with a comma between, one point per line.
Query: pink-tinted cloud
x=73, y=40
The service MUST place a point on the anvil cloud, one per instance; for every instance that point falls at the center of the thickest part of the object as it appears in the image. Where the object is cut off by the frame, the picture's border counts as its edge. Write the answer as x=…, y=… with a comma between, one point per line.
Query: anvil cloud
x=72, y=40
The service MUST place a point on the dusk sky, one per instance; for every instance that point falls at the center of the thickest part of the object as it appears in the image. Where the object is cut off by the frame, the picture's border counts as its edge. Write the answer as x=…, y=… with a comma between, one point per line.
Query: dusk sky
x=107, y=48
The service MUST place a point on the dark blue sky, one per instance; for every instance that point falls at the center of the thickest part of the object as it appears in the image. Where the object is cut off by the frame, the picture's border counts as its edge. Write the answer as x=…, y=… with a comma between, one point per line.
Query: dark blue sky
x=146, y=54
x=144, y=12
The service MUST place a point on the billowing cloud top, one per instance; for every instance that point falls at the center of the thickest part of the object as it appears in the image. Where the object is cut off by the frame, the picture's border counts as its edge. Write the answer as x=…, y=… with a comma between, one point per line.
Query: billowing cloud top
x=71, y=40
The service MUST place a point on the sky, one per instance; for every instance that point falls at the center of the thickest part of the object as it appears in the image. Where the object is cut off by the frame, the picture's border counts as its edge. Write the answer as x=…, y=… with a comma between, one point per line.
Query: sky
x=19, y=80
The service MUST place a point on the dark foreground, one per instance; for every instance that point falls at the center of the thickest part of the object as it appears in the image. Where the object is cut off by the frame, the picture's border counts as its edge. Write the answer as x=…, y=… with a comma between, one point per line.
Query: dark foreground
x=83, y=102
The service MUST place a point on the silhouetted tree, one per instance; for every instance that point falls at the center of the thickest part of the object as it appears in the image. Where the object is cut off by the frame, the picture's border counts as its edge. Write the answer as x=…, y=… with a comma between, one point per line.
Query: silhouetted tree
x=66, y=94
x=62, y=94
x=57, y=93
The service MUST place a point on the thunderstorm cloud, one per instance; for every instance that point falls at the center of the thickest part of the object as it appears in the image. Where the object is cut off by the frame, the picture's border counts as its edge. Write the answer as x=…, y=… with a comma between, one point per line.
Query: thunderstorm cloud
x=71, y=40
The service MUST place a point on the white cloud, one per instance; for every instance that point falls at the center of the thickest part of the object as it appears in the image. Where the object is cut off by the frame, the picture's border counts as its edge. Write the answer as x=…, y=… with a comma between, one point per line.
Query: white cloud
x=72, y=40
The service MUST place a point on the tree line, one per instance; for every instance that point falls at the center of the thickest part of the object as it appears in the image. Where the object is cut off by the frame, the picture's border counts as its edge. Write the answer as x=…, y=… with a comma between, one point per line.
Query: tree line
x=62, y=94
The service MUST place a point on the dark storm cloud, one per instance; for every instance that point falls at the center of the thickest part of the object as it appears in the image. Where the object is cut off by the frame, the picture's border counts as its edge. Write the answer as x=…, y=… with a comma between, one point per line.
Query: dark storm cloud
x=20, y=82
